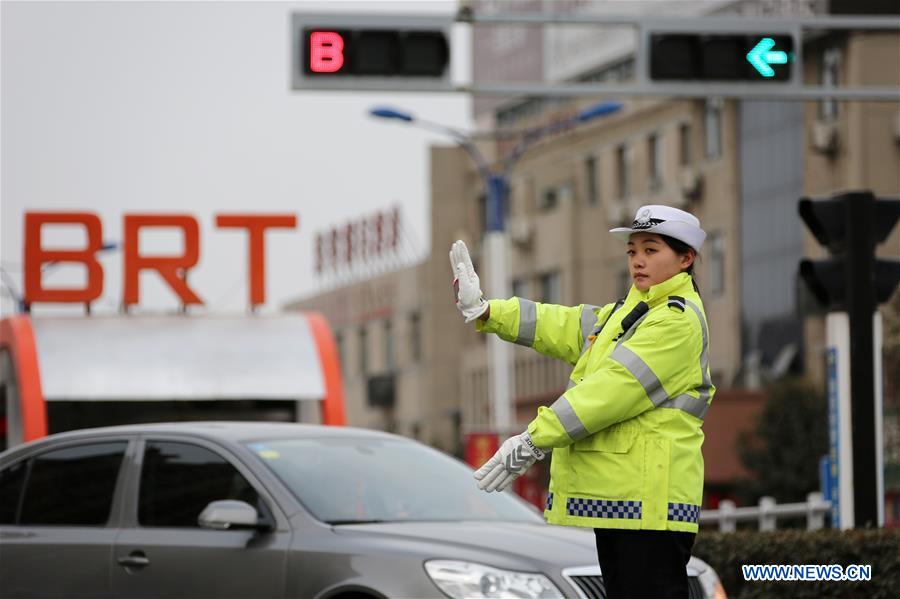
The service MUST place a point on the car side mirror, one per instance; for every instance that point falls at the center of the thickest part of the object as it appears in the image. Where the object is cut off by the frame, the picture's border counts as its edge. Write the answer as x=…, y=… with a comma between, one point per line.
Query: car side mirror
x=230, y=514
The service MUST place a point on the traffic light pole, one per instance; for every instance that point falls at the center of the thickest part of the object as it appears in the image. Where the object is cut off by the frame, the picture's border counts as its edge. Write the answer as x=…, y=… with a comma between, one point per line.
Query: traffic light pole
x=861, y=306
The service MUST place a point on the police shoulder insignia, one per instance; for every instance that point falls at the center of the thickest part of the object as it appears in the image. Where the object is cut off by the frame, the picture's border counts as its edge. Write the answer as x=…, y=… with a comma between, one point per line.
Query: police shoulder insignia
x=676, y=303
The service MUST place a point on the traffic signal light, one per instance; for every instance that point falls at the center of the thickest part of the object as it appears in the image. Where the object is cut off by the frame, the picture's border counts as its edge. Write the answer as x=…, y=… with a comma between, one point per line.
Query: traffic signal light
x=854, y=281
x=850, y=225
x=714, y=57
x=369, y=52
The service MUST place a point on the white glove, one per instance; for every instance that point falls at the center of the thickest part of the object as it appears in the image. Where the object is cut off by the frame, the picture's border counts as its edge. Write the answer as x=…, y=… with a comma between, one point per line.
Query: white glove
x=466, y=286
x=514, y=457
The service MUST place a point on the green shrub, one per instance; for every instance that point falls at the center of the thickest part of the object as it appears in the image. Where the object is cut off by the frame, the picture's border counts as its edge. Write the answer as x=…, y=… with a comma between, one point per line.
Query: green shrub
x=880, y=548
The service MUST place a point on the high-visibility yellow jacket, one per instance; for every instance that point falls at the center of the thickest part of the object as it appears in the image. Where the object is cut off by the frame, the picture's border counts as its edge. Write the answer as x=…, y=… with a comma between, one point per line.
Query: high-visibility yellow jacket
x=626, y=433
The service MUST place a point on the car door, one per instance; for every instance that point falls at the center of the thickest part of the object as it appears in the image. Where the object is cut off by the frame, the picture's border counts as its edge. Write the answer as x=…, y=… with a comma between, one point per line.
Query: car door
x=162, y=551
x=57, y=523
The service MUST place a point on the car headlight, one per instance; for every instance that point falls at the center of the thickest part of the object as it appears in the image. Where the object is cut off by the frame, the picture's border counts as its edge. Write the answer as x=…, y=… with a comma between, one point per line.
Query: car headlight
x=709, y=580
x=465, y=579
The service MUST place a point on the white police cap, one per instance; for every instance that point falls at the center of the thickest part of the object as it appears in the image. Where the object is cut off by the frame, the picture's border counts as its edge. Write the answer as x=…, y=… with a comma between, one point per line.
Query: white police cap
x=665, y=220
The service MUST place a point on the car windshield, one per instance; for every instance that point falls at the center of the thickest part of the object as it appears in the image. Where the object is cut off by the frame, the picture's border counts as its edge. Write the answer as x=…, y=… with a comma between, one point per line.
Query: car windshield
x=350, y=480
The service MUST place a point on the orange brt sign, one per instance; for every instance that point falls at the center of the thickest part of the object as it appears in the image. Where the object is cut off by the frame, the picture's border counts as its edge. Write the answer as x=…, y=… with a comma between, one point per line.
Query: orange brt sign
x=173, y=269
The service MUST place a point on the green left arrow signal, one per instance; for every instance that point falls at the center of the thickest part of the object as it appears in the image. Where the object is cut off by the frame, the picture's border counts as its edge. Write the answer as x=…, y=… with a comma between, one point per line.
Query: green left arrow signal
x=762, y=55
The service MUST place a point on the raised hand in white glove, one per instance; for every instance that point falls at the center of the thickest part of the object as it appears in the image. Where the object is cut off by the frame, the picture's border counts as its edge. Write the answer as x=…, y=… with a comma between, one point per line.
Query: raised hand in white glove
x=515, y=456
x=466, y=286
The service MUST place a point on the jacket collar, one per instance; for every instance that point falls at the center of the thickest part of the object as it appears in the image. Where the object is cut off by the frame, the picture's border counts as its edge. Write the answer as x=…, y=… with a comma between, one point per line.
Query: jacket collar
x=677, y=285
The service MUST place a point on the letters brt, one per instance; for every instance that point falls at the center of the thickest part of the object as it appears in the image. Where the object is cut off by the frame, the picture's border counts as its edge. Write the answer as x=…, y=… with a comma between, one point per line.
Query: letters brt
x=172, y=269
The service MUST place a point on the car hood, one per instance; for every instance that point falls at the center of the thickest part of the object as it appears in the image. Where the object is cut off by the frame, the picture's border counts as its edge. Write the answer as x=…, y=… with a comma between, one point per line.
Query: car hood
x=538, y=543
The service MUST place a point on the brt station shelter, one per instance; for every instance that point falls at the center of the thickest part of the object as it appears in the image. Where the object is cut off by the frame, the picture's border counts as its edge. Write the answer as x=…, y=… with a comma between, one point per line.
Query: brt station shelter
x=61, y=373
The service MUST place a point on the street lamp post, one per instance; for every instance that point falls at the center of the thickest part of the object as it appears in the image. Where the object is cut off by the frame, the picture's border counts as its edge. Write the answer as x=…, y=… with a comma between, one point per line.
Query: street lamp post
x=496, y=242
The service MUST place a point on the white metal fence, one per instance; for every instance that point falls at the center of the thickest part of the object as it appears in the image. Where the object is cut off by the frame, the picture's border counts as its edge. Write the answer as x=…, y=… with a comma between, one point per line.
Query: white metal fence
x=767, y=512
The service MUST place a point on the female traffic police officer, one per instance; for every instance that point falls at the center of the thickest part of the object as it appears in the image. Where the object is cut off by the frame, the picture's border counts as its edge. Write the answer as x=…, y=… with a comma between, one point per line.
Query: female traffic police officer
x=626, y=433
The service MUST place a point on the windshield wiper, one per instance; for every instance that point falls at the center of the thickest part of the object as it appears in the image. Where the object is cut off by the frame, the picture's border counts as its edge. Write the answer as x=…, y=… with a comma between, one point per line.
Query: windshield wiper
x=337, y=522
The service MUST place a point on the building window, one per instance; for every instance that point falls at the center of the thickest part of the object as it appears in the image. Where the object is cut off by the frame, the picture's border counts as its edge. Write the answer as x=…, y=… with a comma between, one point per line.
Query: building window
x=713, y=124
x=550, y=288
x=829, y=71
x=623, y=184
x=548, y=199
x=520, y=287
x=684, y=144
x=654, y=162
x=716, y=268
x=363, y=350
x=415, y=336
x=592, y=189
x=389, y=360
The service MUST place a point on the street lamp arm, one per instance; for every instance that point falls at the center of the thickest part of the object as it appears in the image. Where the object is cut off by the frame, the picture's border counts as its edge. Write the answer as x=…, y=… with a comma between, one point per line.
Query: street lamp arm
x=535, y=134
x=464, y=140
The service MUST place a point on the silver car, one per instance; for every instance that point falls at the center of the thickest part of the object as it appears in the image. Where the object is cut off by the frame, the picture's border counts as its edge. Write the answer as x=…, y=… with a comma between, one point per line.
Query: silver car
x=258, y=510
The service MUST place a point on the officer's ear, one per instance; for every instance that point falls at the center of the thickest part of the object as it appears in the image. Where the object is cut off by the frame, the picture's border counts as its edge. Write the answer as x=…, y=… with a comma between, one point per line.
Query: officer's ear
x=687, y=259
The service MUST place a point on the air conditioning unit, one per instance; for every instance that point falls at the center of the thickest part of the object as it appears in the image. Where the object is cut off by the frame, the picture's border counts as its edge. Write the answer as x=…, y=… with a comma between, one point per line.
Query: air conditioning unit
x=691, y=183
x=824, y=137
x=521, y=232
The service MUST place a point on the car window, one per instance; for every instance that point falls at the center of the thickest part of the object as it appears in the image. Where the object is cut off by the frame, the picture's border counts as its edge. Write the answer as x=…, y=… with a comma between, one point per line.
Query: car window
x=346, y=479
x=178, y=480
x=11, y=481
x=73, y=486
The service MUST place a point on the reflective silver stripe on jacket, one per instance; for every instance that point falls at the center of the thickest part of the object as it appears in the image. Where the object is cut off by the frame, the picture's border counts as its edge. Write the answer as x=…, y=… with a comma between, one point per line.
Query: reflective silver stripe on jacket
x=696, y=406
x=588, y=319
x=568, y=418
x=704, y=354
x=527, y=322
x=586, y=345
x=641, y=372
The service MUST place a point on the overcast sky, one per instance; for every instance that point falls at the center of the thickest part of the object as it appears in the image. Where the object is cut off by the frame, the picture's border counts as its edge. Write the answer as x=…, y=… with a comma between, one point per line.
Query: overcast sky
x=128, y=107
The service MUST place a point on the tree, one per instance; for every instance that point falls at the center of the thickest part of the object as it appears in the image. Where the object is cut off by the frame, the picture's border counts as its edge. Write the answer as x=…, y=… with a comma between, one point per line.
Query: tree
x=790, y=436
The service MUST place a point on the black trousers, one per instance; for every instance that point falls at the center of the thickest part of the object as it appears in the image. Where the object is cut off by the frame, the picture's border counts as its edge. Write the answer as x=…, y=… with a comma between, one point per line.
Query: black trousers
x=644, y=563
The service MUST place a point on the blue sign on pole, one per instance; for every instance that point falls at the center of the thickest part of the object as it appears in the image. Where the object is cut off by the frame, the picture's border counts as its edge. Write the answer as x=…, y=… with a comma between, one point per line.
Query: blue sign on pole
x=825, y=477
x=833, y=478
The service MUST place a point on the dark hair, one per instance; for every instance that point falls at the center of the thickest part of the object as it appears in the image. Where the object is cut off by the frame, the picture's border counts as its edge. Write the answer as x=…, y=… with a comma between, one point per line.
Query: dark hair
x=681, y=248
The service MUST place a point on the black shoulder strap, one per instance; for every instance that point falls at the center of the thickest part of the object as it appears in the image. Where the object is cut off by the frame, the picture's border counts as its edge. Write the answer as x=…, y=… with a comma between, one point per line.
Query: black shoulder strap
x=632, y=317
x=611, y=312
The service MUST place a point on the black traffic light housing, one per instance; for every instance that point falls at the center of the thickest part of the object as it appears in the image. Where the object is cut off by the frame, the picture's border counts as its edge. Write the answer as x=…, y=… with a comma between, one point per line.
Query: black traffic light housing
x=850, y=225
x=376, y=52
x=854, y=281
x=371, y=52
x=720, y=57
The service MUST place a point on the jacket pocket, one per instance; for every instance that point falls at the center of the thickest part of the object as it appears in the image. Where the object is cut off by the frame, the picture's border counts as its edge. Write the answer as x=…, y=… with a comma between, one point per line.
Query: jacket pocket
x=618, y=438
